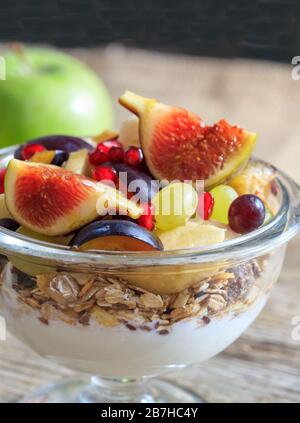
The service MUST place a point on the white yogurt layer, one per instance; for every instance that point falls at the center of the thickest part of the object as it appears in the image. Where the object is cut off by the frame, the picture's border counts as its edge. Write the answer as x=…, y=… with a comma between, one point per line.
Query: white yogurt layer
x=120, y=352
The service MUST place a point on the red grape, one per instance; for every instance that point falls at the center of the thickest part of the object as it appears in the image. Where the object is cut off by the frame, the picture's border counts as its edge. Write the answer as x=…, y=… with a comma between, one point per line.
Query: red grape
x=246, y=213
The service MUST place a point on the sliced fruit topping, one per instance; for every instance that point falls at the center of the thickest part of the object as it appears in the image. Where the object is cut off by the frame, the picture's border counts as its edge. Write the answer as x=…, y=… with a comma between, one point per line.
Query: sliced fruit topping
x=78, y=162
x=112, y=201
x=134, y=156
x=105, y=173
x=34, y=269
x=257, y=179
x=191, y=235
x=60, y=240
x=246, y=213
x=254, y=179
x=116, y=235
x=10, y=224
x=60, y=158
x=3, y=209
x=178, y=145
x=174, y=204
x=30, y=150
x=136, y=182
x=205, y=205
x=48, y=199
x=43, y=156
x=223, y=197
x=2, y=176
x=55, y=157
x=54, y=142
x=129, y=132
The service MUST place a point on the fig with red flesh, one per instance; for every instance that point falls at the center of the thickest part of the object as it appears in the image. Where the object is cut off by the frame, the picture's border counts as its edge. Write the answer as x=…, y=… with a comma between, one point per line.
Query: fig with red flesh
x=53, y=201
x=116, y=235
x=56, y=142
x=177, y=144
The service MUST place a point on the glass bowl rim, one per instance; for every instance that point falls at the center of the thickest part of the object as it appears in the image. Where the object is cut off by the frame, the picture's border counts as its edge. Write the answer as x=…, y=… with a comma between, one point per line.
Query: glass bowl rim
x=279, y=230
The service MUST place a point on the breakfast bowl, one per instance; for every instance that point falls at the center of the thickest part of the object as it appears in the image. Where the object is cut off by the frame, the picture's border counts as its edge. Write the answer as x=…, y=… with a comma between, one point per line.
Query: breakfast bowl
x=129, y=284
x=129, y=317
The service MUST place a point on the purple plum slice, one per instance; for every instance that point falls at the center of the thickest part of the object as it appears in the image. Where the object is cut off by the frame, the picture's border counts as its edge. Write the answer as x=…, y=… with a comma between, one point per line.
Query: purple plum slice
x=116, y=235
x=10, y=224
x=148, y=187
x=57, y=142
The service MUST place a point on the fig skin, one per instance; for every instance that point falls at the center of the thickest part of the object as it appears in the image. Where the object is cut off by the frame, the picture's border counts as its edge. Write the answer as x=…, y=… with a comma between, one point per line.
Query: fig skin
x=114, y=233
x=57, y=142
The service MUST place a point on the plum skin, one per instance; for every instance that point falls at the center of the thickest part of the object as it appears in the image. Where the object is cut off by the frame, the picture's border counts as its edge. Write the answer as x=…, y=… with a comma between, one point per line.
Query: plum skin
x=134, y=174
x=110, y=228
x=10, y=224
x=64, y=143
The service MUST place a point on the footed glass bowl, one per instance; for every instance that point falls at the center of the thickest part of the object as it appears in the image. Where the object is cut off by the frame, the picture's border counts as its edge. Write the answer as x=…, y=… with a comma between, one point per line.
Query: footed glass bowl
x=129, y=317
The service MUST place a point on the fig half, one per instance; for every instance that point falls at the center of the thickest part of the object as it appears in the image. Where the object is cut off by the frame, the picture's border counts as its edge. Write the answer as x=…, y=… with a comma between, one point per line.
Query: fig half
x=53, y=201
x=177, y=144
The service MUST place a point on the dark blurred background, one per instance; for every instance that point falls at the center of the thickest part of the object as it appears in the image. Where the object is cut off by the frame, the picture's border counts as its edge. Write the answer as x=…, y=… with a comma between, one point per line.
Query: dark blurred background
x=265, y=29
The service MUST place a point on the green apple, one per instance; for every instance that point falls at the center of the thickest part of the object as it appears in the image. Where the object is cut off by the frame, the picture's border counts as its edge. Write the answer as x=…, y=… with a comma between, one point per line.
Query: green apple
x=48, y=92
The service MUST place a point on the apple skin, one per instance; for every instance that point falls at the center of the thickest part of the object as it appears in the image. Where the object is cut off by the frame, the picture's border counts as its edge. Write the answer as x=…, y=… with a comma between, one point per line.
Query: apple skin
x=57, y=94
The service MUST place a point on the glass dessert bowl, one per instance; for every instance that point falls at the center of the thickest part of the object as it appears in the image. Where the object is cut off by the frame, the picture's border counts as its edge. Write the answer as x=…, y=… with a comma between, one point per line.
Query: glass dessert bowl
x=129, y=316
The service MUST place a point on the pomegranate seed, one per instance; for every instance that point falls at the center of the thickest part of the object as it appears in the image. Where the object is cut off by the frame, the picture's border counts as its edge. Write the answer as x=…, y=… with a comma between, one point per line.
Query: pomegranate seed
x=205, y=205
x=134, y=156
x=104, y=173
x=146, y=220
x=116, y=155
x=2, y=176
x=105, y=146
x=30, y=149
x=97, y=157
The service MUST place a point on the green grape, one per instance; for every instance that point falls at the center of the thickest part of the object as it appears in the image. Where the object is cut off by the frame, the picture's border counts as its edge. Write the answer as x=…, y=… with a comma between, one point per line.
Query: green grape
x=174, y=204
x=223, y=196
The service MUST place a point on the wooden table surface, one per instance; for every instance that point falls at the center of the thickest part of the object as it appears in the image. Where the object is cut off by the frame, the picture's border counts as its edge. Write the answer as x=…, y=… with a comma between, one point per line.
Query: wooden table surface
x=264, y=364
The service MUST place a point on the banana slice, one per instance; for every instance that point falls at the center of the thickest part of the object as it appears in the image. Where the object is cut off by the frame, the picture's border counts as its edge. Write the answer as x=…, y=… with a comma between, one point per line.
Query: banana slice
x=191, y=235
x=78, y=162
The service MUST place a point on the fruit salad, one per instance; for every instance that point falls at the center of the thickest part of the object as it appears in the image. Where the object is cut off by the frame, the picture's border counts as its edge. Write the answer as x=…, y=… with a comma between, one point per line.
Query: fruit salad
x=166, y=184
